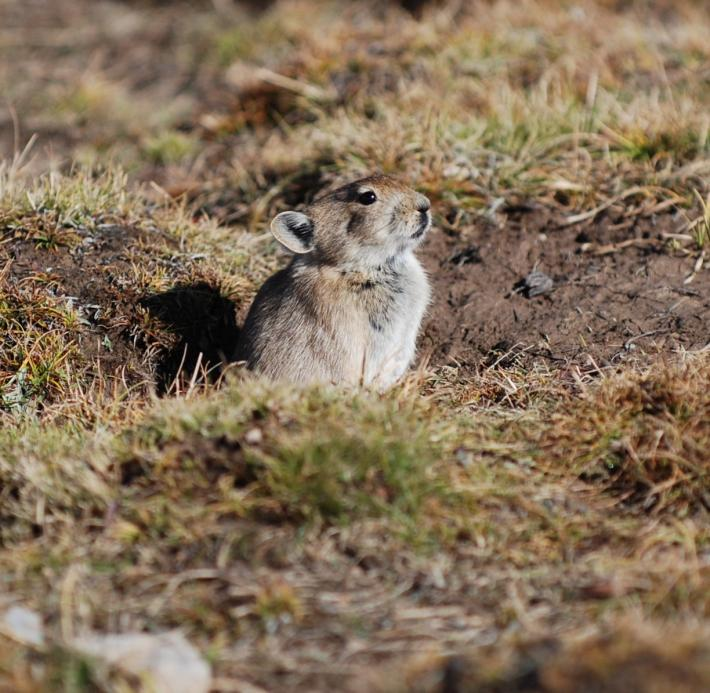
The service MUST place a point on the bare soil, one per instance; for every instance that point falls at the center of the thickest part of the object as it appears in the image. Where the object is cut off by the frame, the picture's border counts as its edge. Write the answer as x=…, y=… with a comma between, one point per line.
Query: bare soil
x=611, y=299
x=125, y=330
x=88, y=275
x=617, y=292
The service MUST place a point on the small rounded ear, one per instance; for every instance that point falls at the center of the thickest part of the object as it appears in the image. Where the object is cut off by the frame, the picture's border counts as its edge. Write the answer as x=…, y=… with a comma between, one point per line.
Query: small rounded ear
x=293, y=230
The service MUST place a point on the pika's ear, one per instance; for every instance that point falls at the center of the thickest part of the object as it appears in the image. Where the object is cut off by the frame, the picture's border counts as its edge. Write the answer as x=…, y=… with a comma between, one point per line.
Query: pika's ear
x=293, y=230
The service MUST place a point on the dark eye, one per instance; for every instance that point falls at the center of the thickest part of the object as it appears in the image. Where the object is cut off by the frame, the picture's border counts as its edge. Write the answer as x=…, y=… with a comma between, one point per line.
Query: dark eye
x=367, y=198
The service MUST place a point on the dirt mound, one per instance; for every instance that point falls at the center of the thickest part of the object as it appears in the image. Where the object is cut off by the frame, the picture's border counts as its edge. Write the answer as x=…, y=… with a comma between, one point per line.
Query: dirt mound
x=617, y=290
x=64, y=308
x=119, y=301
x=89, y=301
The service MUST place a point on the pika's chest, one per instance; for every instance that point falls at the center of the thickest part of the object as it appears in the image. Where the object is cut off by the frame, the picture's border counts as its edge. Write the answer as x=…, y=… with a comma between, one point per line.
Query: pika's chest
x=393, y=304
x=386, y=309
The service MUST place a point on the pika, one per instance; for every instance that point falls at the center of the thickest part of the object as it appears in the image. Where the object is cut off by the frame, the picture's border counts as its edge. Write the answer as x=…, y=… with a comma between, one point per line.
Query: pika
x=348, y=307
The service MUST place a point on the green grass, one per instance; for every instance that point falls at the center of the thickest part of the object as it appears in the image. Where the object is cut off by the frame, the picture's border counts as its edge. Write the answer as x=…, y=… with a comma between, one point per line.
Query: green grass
x=170, y=147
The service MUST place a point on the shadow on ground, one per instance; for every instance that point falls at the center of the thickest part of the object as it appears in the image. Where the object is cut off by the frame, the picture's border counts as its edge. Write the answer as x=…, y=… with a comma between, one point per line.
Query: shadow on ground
x=205, y=323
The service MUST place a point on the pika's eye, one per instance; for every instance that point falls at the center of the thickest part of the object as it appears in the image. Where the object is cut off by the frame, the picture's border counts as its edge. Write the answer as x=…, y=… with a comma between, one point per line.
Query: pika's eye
x=367, y=198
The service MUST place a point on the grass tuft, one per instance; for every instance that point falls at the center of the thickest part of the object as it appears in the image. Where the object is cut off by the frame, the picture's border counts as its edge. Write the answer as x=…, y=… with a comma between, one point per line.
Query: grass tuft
x=286, y=456
x=643, y=436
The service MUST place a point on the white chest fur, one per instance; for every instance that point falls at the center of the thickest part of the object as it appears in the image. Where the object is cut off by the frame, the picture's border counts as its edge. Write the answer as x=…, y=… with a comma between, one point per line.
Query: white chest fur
x=394, y=316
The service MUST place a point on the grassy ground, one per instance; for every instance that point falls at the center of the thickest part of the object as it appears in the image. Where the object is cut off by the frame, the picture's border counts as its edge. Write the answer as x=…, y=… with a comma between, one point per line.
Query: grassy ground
x=506, y=519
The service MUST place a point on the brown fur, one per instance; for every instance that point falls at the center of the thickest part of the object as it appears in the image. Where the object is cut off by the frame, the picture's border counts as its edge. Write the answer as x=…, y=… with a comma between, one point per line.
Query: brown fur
x=348, y=306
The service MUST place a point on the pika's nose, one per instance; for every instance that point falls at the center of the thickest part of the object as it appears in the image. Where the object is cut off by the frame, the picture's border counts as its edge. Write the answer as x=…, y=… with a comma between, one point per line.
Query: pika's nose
x=423, y=204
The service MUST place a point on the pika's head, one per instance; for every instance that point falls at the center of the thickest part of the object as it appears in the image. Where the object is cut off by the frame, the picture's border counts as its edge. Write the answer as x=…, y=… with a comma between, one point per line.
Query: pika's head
x=364, y=223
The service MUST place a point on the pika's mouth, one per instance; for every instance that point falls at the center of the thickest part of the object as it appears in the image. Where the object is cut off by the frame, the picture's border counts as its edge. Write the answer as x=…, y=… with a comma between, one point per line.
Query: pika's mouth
x=422, y=228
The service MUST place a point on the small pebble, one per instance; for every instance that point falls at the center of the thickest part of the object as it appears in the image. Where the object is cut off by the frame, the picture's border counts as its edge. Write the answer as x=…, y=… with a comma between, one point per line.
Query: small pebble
x=23, y=625
x=534, y=284
x=253, y=436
